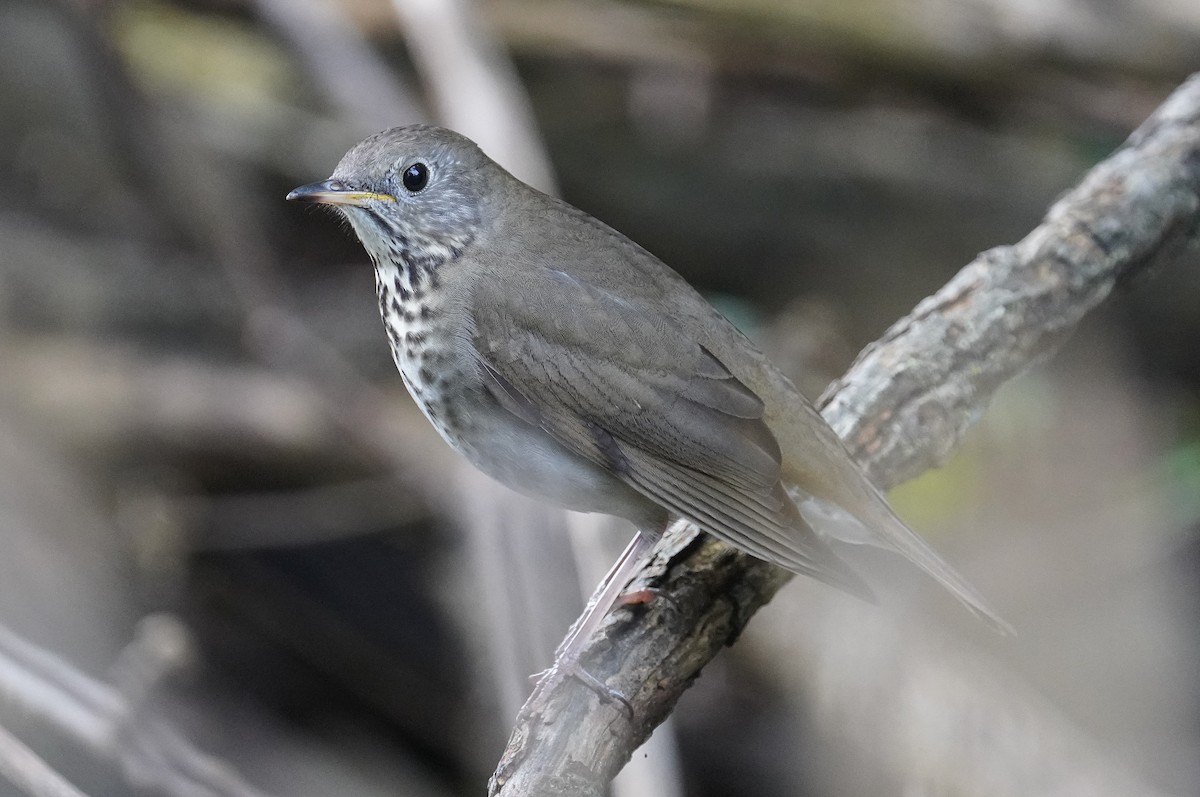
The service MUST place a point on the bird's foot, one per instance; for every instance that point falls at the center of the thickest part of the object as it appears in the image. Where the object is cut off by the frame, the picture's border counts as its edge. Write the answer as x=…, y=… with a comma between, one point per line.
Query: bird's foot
x=570, y=667
x=603, y=690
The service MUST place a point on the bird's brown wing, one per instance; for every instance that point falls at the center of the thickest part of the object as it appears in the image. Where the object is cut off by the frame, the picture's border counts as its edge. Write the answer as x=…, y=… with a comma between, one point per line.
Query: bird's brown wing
x=628, y=390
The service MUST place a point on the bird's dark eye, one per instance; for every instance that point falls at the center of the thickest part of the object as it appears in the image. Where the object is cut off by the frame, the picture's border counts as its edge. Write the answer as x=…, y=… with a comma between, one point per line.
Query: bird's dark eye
x=415, y=177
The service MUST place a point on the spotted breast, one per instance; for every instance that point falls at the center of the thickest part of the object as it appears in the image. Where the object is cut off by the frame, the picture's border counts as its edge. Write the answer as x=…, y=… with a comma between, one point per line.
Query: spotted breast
x=419, y=334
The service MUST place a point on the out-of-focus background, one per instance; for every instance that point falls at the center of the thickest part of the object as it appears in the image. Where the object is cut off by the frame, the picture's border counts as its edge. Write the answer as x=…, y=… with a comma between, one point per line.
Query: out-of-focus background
x=234, y=557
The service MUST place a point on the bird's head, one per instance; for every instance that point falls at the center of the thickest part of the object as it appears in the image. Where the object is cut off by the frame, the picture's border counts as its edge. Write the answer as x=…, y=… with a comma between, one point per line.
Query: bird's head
x=414, y=195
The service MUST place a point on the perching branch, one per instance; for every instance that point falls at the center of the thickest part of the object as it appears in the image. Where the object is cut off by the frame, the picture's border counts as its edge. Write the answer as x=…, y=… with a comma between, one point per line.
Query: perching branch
x=902, y=408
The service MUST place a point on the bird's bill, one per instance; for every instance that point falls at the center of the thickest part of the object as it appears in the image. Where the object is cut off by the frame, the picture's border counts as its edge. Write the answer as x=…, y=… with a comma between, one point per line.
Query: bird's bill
x=329, y=192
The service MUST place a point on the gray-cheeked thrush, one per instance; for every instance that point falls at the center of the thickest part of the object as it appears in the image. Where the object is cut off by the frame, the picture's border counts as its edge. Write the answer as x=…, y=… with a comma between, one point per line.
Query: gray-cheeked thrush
x=572, y=365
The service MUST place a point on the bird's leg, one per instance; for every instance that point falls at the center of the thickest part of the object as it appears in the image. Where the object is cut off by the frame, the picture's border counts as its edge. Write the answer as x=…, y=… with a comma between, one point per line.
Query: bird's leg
x=610, y=590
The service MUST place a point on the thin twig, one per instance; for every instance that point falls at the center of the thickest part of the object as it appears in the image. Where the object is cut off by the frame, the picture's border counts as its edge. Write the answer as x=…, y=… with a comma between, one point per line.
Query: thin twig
x=901, y=408
x=30, y=773
x=95, y=715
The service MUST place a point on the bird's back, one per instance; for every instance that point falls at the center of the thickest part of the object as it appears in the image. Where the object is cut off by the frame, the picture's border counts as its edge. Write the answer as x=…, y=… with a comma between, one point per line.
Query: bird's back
x=831, y=491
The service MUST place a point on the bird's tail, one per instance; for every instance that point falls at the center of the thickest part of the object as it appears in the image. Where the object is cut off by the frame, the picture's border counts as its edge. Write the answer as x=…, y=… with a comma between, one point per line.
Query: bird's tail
x=885, y=530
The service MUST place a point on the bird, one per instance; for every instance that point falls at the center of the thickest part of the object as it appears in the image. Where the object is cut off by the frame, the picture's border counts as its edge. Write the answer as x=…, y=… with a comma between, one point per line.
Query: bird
x=567, y=362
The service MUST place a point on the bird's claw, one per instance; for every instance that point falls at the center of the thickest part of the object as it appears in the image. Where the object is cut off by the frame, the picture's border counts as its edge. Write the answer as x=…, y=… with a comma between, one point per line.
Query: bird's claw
x=574, y=669
x=603, y=691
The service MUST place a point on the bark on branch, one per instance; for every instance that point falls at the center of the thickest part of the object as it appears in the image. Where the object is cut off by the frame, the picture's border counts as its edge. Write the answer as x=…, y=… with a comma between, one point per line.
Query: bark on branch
x=901, y=408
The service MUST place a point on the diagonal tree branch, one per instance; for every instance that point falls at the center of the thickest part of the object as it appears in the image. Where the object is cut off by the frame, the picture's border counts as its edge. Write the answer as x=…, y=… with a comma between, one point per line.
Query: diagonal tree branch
x=901, y=408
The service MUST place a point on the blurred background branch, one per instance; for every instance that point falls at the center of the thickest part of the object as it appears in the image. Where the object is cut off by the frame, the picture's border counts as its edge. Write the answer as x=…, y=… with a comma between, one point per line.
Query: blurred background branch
x=27, y=771
x=112, y=725
x=199, y=420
